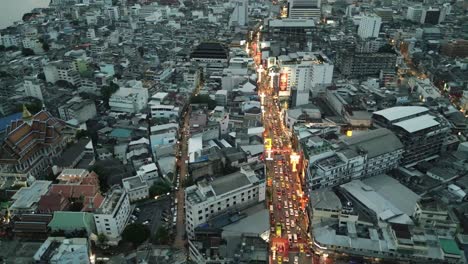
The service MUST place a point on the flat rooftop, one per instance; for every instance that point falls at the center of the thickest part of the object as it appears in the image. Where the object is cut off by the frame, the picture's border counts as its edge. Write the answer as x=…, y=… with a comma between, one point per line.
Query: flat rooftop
x=229, y=183
x=398, y=112
x=418, y=123
x=27, y=196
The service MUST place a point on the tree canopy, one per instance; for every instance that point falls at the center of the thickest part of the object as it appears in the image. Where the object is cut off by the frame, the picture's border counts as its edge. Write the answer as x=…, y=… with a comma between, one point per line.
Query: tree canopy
x=159, y=188
x=108, y=91
x=203, y=99
x=27, y=52
x=136, y=234
x=161, y=236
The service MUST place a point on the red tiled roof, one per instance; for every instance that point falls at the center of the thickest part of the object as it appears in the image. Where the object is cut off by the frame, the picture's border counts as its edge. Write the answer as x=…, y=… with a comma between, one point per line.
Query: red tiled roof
x=52, y=202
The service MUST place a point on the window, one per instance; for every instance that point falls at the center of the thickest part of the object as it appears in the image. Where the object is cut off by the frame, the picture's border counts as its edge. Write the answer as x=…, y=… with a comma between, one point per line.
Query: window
x=200, y=211
x=108, y=228
x=200, y=218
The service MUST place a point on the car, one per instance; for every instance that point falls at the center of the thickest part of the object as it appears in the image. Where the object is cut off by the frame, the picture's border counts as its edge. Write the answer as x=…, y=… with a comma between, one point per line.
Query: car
x=146, y=222
x=293, y=224
x=137, y=209
x=278, y=206
x=296, y=259
x=286, y=214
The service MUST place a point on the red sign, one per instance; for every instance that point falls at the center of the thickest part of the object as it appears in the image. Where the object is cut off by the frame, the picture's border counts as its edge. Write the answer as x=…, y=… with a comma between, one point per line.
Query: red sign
x=283, y=81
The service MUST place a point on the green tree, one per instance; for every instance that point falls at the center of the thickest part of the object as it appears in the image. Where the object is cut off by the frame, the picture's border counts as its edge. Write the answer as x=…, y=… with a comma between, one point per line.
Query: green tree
x=135, y=234
x=41, y=76
x=161, y=236
x=27, y=52
x=108, y=91
x=2, y=48
x=45, y=46
x=102, y=238
x=159, y=188
x=203, y=99
x=103, y=175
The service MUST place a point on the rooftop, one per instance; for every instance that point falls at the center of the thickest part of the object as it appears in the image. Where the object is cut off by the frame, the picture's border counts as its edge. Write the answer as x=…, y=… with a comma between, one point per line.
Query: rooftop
x=229, y=183
x=134, y=182
x=375, y=142
x=26, y=197
x=418, y=123
x=398, y=112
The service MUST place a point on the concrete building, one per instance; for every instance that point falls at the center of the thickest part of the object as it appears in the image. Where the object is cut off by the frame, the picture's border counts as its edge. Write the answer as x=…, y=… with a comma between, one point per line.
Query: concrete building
x=414, y=13
x=432, y=16
x=32, y=87
x=230, y=192
x=353, y=64
x=26, y=199
x=240, y=14
x=164, y=111
x=421, y=132
x=363, y=155
x=61, y=71
x=304, y=9
x=129, y=99
x=221, y=97
x=136, y=187
x=369, y=26
x=113, y=214
x=78, y=109
x=56, y=250
x=10, y=40
x=307, y=73
x=299, y=30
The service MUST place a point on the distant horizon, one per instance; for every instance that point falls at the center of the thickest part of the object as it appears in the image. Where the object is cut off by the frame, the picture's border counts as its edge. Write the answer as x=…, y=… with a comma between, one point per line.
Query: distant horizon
x=13, y=10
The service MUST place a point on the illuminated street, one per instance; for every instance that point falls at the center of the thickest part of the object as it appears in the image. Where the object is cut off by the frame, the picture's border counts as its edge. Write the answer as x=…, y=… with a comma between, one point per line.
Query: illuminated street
x=288, y=218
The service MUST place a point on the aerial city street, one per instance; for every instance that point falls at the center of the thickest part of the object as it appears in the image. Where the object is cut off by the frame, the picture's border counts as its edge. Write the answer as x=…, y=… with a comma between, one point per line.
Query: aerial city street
x=234, y=131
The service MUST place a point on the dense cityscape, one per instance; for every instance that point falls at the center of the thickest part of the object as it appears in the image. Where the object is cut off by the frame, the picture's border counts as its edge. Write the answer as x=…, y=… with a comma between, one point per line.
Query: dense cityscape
x=235, y=131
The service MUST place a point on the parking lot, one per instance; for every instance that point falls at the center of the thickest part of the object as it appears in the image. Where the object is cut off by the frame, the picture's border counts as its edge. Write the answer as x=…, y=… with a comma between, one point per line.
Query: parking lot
x=152, y=213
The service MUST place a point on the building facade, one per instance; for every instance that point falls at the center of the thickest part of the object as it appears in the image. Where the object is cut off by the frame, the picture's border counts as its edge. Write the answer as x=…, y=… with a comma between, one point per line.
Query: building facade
x=113, y=214
x=230, y=192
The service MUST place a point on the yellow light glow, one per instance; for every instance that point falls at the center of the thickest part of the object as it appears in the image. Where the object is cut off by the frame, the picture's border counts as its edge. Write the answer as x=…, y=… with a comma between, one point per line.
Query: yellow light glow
x=349, y=133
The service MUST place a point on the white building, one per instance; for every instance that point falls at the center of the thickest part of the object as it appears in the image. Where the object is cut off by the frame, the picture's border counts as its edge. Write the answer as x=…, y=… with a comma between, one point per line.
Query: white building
x=112, y=12
x=9, y=40
x=239, y=16
x=57, y=250
x=414, y=13
x=148, y=172
x=307, y=72
x=136, y=187
x=129, y=100
x=61, y=71
x=369, y=26
x=113, y=214
x=32, y=87
x=304, y=9
x=166, y=111
x=234, y=191
x=221, y=97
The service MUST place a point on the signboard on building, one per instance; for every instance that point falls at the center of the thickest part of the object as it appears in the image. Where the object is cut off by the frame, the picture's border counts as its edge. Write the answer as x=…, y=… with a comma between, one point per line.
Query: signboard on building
x=271, y=62
x=283, y=85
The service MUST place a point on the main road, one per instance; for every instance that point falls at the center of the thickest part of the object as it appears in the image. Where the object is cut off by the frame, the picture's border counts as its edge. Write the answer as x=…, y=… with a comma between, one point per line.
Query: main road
x=289, y=240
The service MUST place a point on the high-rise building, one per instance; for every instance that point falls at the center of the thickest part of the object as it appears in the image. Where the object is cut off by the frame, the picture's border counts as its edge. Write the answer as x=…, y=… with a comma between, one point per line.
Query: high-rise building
x=304, y=9
x=432, y=16
x=240, y=15
x=414, y=13
x=306, y=72
x=369, y=26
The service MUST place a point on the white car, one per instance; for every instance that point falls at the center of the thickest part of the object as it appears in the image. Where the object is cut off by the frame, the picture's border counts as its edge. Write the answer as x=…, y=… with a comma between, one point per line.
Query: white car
x=296, y=260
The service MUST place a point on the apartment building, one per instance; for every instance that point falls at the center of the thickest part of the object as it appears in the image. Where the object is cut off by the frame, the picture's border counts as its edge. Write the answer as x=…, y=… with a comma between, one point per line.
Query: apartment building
x=113, y=214
x=136, y=187
x=421, y=132
x=230, y=192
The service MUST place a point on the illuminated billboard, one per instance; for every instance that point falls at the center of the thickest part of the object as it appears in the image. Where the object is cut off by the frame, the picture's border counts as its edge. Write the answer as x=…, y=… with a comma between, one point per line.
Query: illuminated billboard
x=283, y=84
x=268, y=143
x=271, y=62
